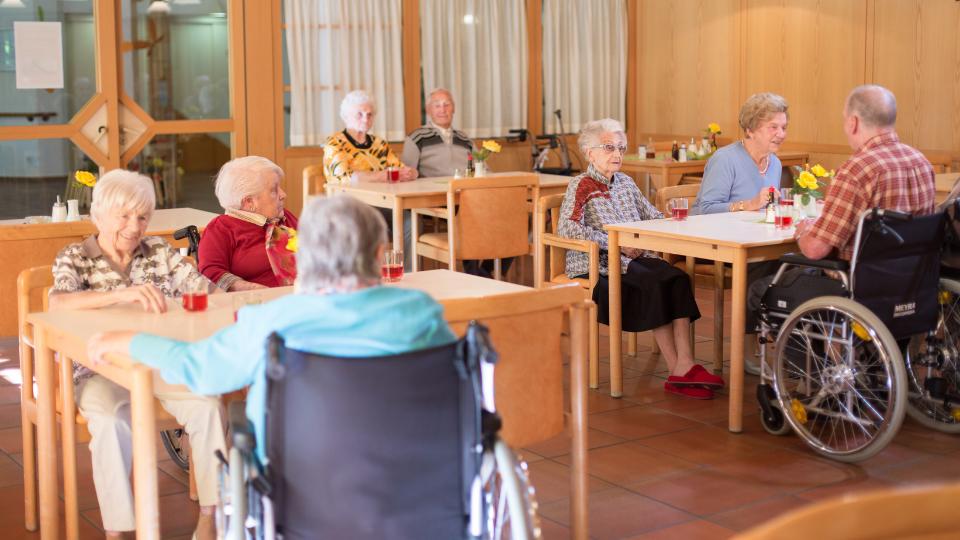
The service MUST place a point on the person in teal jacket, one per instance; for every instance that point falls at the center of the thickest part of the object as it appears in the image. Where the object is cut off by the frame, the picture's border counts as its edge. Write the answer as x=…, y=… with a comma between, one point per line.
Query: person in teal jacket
x=338, y=308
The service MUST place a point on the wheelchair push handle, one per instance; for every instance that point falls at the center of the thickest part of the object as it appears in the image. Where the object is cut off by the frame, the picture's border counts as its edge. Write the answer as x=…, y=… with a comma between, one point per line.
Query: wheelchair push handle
x=892, y=214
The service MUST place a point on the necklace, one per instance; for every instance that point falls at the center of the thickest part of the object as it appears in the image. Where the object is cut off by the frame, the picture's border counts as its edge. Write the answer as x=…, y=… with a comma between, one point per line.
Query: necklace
x=763, y=165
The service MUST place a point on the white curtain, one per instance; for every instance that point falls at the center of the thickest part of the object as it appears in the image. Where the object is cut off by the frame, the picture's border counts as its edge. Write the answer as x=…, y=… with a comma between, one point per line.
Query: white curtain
x=584, y=61
x=478, y=50
x=337, y=46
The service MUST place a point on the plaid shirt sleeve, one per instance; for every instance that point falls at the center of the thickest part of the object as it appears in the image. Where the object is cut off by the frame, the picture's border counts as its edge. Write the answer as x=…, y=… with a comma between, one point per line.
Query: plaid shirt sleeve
x=844, y=203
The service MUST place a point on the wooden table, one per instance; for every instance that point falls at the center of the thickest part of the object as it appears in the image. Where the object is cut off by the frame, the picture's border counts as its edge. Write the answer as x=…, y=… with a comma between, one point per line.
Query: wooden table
x=423, y=193
x=25, y=246
x=67, y=332
x=730, y=237
x=665, y=173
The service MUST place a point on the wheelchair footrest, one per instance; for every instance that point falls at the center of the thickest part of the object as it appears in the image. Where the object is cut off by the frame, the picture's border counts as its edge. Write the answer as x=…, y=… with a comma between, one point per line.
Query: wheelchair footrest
x=766, y=397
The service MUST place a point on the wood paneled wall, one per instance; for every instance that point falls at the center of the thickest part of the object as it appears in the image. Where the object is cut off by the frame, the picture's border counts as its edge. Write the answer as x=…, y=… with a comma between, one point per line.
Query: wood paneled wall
x=698, y=60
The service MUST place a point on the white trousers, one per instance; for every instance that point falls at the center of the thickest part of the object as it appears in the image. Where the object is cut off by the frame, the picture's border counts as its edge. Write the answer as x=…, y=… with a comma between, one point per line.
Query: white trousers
x=106, y=406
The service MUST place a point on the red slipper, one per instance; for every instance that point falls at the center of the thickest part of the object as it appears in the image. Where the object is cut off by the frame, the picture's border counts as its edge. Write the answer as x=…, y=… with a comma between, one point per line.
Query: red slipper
x=697, y=376
x=693, y=392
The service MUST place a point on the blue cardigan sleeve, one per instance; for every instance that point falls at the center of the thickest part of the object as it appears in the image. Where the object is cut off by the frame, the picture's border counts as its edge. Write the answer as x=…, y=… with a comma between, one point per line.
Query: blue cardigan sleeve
x=201, y=365
x=717, y=187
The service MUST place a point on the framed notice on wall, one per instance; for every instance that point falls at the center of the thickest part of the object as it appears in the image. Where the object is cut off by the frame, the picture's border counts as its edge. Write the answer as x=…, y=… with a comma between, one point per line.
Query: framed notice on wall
x=38, y=52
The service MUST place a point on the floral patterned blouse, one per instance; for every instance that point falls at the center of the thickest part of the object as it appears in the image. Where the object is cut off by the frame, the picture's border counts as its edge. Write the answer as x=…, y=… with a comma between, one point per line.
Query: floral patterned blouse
x=83, y=267
x=343, y=156
x=593, y=201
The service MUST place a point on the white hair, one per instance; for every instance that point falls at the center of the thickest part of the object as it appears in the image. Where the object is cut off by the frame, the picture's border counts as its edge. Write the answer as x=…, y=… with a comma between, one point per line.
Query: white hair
x=438, y=90
x=339, y=238
x=353, y=100
x=243, y=177
x=592, y=131
x=120, y=189
x=875, y=105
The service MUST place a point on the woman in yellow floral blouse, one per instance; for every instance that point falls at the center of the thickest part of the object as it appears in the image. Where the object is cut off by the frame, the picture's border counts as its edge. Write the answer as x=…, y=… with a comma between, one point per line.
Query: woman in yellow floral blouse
x=354, y=153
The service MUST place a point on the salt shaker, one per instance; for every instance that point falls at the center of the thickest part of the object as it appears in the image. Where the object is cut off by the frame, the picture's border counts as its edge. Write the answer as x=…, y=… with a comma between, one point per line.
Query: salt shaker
x=59, y=211
x=73, y=210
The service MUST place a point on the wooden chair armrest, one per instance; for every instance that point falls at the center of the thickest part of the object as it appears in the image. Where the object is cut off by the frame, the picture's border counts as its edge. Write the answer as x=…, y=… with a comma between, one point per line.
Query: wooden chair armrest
x=583, y=246
x=440, y=212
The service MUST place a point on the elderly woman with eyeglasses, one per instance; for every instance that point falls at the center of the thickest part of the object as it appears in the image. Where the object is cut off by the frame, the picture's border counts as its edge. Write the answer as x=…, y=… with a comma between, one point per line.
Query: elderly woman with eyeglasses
x=115, y=266
x=246, y=247
x=739, y=176
x=656, y=295
x=339, y=308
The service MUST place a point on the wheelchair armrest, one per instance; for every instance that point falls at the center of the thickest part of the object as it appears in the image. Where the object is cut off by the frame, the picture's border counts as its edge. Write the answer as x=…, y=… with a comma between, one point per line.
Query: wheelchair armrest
x=240, y=427
x=827, y=264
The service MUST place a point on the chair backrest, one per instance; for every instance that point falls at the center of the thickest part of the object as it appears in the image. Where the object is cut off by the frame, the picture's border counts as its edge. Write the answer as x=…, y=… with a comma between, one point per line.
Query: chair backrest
x=918, y=513
x=371, y=447
x=32, y=285
x=895, y=269
x=314, y=181
x=682, y=191
x=492, y=221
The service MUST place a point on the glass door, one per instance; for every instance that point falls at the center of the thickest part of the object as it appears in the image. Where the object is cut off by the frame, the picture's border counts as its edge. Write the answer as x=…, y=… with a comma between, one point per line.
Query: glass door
x=149, y=85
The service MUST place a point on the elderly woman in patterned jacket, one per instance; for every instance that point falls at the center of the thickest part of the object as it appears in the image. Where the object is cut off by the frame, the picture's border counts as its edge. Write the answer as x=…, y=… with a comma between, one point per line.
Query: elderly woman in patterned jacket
x=121, y=265
x=656, y=295
x=356, y=154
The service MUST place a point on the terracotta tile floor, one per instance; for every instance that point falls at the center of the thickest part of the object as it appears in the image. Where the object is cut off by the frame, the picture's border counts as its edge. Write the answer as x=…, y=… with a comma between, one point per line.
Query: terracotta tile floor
x=661, y=467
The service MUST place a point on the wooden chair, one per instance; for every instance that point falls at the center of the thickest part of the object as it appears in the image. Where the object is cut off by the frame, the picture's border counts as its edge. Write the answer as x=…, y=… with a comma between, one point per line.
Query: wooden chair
x=918, y=513
x=32, y=287
x=526, y=331
x=705, y=276
x=490, y=222
x=314, y=181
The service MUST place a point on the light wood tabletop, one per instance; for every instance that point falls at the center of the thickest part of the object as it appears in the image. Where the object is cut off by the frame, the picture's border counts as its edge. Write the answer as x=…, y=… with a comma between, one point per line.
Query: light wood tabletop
x=66, y=333
x=730, y=237
x=424, y=193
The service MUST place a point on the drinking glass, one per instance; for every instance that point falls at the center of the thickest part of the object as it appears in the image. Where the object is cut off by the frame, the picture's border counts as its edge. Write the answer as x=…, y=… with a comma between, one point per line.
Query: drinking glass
x=785, y=209
x=391, y=269
x=393, y=174
x=679, y=208
x=194, y=296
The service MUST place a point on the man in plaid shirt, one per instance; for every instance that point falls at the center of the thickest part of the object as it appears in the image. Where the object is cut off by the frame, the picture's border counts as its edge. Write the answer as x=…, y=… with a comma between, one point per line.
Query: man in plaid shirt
x=882, y=172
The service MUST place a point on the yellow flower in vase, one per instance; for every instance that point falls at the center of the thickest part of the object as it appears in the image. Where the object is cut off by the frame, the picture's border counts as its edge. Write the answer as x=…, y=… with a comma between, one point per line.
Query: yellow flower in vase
x=486, y=148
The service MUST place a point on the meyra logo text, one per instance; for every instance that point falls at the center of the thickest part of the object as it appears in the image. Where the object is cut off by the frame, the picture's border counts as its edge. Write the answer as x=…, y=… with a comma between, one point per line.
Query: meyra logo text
x=902, y=310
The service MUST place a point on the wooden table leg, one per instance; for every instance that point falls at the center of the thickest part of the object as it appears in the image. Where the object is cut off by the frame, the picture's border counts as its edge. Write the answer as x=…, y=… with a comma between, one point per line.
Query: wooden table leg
x=68, y=440
x=144, y=455
x=579, y=344
x=739, y=309
x=46, y=439
x=414, y=235
x=719, y=279
x=692, y=274
x=616, y=357
x=398, y=225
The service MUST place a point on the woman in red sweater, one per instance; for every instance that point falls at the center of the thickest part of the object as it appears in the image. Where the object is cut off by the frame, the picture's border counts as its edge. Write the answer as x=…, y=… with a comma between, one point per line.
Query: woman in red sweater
x=246, y=247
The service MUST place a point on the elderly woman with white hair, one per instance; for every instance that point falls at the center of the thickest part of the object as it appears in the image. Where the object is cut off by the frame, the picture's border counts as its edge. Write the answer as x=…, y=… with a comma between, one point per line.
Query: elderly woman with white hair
x=355, y=153
x=245, y=248
x=121, y=265
x=656, y=295
x=338, y=308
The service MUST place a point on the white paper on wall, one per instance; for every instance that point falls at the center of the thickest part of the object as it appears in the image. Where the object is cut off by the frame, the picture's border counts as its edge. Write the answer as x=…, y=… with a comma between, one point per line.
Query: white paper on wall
x=39, y=54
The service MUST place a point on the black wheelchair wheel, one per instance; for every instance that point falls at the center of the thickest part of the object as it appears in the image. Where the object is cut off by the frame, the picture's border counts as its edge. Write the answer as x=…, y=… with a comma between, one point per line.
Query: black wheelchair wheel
x=933, y=367
x=839, y=378
x=509, y=499
x=173, y=442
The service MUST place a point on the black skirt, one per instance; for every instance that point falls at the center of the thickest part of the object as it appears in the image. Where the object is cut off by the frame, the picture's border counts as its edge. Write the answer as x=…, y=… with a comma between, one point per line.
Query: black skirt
x=653, y=293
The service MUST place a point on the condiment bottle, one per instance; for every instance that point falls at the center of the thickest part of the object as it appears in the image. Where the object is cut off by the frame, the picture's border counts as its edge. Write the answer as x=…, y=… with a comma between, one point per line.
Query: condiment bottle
x=59, y=211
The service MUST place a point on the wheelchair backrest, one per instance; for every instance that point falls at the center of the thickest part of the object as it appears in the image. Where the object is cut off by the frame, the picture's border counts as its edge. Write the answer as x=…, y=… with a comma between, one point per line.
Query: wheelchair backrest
x=895, y=269
x=371, y=447
x=950, y=256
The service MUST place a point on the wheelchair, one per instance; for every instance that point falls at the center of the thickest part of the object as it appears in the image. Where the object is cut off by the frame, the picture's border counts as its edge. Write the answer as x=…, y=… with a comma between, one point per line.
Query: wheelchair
x=853, y=355
x=401, y=446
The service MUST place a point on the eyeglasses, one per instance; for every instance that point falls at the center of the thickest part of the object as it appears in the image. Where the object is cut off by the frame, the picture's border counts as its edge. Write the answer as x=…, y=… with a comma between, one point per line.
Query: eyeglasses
x=609, y=148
